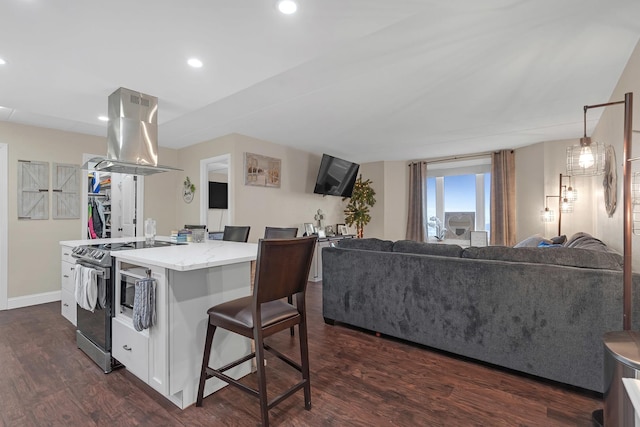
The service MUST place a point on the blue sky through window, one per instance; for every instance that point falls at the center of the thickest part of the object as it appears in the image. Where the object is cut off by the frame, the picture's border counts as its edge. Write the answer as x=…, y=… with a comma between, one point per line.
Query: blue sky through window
x=459, y=196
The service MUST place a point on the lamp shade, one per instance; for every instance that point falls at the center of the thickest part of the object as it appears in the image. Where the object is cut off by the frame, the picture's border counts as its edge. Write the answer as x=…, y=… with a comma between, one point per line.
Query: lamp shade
x=586, y=159
x=547, y=215
x=571, y=194
x=566, y=206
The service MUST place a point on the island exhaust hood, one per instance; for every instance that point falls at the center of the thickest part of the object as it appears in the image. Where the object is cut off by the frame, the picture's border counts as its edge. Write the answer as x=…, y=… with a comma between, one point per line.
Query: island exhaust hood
x=132, y=136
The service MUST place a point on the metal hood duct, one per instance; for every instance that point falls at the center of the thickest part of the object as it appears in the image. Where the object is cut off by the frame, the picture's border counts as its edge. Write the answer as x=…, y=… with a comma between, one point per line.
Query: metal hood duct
x=132, y=136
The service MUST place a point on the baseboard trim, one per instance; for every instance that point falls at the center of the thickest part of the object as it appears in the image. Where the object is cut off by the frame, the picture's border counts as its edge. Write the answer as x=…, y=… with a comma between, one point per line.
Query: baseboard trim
x=35, y=299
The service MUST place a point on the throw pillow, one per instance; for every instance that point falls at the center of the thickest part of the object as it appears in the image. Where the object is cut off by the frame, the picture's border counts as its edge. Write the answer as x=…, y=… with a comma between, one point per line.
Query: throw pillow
x=532, y=241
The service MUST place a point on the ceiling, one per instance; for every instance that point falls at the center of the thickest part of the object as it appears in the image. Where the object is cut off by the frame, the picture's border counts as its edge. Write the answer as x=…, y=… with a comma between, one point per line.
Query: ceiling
x=364, y=80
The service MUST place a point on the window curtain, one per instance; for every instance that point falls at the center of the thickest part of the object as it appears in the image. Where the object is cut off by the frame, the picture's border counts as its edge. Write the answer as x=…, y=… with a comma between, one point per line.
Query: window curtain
x=417, y=189
x=503, y=198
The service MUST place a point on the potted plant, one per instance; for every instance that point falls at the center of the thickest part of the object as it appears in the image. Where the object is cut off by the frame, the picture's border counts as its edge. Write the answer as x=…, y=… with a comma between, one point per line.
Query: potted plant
x=357, y=210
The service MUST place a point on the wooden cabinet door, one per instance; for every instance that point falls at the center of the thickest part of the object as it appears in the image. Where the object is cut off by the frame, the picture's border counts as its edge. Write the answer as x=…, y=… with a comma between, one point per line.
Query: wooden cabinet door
x=33, y=190
x=66, y=194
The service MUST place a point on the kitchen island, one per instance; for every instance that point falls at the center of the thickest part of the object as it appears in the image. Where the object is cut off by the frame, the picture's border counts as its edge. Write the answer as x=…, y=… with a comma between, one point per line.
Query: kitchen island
x=190, y=279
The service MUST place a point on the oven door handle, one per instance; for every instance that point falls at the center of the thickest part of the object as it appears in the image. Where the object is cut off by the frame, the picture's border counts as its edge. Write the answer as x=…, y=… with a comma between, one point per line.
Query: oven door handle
x=99, y=270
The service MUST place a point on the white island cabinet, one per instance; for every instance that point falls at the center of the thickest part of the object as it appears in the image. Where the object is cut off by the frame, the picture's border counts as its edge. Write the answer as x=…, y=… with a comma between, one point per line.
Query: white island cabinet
x=190, y=279
x=67, y=285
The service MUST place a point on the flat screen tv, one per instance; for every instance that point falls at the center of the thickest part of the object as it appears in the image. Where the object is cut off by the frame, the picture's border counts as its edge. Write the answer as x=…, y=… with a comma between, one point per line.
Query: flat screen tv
x=218, y=193
x=336, y=177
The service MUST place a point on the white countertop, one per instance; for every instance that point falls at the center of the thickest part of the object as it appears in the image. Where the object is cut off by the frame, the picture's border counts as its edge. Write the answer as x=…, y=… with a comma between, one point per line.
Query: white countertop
x=192, y=256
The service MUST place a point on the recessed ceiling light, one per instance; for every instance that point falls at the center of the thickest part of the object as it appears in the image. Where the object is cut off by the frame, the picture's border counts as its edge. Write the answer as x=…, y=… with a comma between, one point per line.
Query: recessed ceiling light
x=103, y=118
x=287, y=6
x=195, y=62
x=2, y=61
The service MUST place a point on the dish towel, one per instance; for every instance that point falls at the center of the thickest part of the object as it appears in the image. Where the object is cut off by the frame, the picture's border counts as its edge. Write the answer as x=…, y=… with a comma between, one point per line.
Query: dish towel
x=86, y=286
x=144, y=304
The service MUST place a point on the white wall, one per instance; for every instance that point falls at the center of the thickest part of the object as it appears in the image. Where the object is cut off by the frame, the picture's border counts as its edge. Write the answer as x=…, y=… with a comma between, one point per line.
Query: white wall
x=538, y=169
x=396, y=200
x=610, y=131
x=529, y=170
x=4, y=229
x=291, y=205
x=389, y=214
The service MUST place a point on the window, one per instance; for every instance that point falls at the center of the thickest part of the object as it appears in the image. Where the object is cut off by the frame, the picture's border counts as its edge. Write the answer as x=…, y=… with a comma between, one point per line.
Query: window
x=458, y=198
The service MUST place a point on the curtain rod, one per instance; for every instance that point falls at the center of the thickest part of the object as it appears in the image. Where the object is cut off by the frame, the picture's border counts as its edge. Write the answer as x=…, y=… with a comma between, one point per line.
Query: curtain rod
x=448, y=159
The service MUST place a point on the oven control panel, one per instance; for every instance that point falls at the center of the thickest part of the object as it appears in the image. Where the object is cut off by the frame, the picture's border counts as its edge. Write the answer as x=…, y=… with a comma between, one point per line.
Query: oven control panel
x=93, y=255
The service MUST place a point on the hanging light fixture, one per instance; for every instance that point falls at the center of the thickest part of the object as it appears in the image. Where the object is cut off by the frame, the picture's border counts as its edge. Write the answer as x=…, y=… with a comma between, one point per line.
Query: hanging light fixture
x=586, y=159
x=570, y=193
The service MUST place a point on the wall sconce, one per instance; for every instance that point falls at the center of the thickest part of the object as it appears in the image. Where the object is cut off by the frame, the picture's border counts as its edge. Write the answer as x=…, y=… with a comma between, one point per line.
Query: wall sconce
x=586, y=159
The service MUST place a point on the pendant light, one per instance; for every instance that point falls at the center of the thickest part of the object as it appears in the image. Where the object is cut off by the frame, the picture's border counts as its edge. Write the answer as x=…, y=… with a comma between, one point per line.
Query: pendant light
x=588, y=158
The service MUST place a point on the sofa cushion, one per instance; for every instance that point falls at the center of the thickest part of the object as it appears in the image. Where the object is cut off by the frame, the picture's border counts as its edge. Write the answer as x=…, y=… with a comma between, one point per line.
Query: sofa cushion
x=370, y=244
x=573, y=257
x=423, y=248
x=586, y=241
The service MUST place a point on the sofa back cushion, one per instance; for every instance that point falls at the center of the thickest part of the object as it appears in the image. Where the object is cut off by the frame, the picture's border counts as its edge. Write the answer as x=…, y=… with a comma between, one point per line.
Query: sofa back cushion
x=370, y=244
x=413, y=247
x=573, y=257
x=586, y=241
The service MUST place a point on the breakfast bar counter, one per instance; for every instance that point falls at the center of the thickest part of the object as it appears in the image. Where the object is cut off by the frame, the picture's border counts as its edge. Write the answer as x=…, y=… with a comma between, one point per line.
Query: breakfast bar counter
x=192, y=256
x=190, y=279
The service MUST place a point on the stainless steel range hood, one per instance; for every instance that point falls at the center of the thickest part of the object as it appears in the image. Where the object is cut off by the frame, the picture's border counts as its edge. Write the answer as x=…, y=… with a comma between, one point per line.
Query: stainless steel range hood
x=132, y=136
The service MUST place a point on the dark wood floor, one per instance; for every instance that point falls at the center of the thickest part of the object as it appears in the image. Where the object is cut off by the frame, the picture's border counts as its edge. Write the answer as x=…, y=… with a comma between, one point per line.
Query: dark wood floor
x=357, y=380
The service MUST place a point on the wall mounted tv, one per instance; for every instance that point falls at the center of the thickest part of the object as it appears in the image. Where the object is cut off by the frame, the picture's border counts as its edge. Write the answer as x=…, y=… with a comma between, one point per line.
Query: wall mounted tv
x=218, y=193
x=336, y=177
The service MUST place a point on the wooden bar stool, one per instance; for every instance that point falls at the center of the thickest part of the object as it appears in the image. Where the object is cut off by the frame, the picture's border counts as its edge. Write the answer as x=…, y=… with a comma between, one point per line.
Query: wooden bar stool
x=282, y=270
x=282, y=233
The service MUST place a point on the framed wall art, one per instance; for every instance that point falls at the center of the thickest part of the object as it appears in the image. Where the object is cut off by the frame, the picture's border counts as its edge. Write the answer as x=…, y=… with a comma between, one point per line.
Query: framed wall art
x=261, y=171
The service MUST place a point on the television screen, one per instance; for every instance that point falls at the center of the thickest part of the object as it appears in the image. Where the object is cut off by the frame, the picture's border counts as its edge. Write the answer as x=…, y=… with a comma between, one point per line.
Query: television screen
x=336, y=177
x=218, y=192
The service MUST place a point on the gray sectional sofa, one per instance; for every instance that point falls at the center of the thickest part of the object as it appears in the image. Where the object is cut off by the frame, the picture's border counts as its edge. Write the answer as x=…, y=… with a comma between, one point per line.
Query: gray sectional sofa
x=538, y=310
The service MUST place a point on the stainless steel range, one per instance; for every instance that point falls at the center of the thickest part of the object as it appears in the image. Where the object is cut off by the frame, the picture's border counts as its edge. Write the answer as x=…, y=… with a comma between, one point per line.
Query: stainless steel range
x=93, y=335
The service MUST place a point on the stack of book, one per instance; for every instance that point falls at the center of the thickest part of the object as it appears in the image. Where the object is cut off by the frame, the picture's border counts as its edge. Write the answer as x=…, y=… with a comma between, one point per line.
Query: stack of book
x=182, y=236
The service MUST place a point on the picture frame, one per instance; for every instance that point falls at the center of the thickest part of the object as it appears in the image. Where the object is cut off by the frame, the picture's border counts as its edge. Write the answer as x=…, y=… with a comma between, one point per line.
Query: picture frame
x=321, y=234
x=459, y=225
x=343, y=230
x=309, y=228
x=479, y=239
x=339, y=229
x=262, y=171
